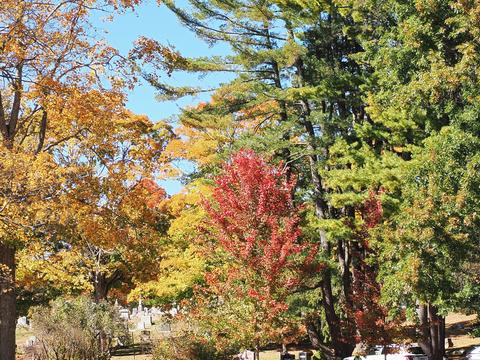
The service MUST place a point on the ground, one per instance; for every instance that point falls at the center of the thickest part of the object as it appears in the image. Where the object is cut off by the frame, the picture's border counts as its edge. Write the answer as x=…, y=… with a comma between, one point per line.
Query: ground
x=458, y=327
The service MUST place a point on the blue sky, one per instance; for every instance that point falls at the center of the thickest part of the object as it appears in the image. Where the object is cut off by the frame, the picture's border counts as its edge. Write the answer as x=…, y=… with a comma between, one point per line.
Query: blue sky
x=157, y=22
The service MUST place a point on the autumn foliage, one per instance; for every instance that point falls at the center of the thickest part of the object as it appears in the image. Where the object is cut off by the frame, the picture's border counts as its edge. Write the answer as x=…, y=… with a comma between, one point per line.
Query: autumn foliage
x=370, y=316
x=255, y=218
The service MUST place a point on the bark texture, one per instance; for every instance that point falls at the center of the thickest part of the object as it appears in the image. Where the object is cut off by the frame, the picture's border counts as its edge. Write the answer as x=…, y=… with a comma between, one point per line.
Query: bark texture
x=8, y=314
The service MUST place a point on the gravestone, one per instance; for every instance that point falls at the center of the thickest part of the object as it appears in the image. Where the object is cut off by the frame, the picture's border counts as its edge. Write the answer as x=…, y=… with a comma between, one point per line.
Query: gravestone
x=173, y=311
x=31, y=341
x=22, y=321
x=156, y=311
x=165, y=327
x=124, y=314
x=147, y=320
x=304, y=356
x=140, y=305
x=247, y=355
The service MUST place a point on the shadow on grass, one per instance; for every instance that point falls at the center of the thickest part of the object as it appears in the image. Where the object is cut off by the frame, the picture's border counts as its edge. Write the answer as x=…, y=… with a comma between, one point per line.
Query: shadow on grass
x=136, y=349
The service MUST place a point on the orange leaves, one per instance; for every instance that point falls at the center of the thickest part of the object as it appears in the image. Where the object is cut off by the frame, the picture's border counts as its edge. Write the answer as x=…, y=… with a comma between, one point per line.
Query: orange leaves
x=156, y=193
x=152, y=52
x=257, y=113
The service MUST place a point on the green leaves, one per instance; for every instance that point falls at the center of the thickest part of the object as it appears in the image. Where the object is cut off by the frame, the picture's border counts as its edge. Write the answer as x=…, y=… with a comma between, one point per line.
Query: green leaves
x=434, y=235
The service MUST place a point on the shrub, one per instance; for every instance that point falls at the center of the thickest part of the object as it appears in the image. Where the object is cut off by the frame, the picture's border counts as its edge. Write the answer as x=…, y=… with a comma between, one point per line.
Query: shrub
x=188, y=346
x=76, y=329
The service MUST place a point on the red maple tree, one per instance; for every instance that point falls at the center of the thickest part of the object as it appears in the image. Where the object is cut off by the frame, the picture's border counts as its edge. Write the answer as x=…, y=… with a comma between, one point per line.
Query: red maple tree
x=254, y=217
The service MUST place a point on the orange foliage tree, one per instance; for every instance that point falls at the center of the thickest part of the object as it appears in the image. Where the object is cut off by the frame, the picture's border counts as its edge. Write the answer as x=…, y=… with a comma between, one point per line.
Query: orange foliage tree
x=62, y=117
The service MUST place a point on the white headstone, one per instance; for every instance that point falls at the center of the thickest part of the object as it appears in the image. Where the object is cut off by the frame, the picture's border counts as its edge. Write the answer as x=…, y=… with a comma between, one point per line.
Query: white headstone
x=22, y=321
x=124, y=314
x=140, y=305
x=147, y=320
x=173, y=311
x=31, y=341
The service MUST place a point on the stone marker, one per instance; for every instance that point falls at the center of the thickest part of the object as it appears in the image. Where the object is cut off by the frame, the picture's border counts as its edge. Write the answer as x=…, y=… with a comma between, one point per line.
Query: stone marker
x=22, y=321
x=31, y=341
x=124, y=314
x=147, y=320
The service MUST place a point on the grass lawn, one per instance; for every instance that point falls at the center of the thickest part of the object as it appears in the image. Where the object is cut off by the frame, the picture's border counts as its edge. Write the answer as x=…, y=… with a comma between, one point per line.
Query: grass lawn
x=22, y=334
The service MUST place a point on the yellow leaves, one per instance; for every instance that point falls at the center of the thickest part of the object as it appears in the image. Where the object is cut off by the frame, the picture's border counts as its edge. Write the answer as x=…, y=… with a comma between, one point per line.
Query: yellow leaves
x=188, y=216
x=29, y=183
x=6, y=277
x=177, y=273
x=411, y=271
x=38, y=268
x=195, y=145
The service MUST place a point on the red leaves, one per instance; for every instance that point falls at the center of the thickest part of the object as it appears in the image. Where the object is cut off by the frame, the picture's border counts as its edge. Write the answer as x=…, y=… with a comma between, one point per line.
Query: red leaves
x=365, y=309
x=372, y=210
x=255, y=220
x=254, y=215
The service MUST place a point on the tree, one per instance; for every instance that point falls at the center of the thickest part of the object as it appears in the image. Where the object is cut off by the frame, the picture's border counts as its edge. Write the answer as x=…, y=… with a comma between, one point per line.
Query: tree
x=422, y=59
x=374, y=323
x=118, y=230
x=434, y=234
x=77, y=329
x=255, y=220
x=59, y=105
x=296, y=90
x=183, y=259
x=345, y=92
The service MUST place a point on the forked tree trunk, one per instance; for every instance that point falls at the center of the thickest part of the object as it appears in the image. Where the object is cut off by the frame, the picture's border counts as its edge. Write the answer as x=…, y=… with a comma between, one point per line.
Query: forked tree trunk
x=102, y=284
x=432, y=331
x=8, y=314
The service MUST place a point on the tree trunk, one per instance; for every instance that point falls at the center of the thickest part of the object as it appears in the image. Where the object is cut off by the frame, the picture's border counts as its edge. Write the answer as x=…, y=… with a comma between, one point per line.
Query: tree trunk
x=344, y=260
x=100, y=287
x=424, y=331
x=312, y=330
x=8, y=314
x=432, y=331
x=437, y=333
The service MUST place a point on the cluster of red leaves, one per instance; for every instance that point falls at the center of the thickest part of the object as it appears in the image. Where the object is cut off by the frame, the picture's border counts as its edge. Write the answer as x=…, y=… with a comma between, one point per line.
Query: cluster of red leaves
x=256, y=221
x=372, y=210
x=254, y=214
x=366, y=311
x=369, y=315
